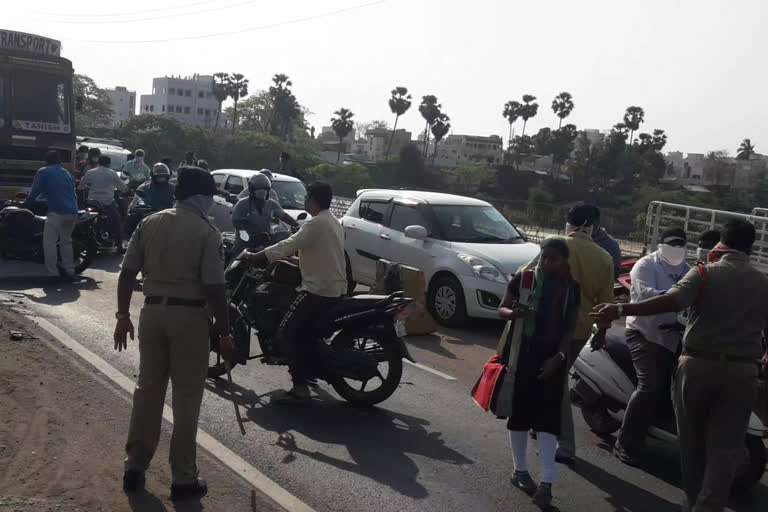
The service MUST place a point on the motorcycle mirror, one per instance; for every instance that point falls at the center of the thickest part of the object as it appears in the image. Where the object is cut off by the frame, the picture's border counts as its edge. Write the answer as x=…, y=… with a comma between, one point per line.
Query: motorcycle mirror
x=244, y=235
x=302, y=216
x=21, y=195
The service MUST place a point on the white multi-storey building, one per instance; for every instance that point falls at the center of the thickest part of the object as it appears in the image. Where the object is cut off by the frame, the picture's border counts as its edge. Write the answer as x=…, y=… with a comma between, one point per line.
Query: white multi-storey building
x=472, y=149
x=190, y=100
x=123, y=104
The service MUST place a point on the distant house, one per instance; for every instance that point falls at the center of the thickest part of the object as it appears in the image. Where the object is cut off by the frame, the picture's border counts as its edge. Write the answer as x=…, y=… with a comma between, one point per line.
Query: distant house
x=465, y=149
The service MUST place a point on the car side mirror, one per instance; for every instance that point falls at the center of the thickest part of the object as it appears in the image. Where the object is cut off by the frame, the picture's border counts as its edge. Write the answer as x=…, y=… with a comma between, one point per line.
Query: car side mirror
x=416, y=232
x=302, y=216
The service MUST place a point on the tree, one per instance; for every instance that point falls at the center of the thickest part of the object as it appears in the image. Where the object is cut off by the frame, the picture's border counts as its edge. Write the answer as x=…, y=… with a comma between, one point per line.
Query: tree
x=746, y=150
x=410, y=169
x=440, y=129
x=399, y=104
x=511, y=113
x=633, y=118
x=286, y=111
x=221, y=93
x=528, y=110
x=429, y=110
x=562, y=106
x=96, y=111
x=659, y=140
x=583, y=160
x=342, y=124
x=541, y=141
x=238, y=88
x=562, y=145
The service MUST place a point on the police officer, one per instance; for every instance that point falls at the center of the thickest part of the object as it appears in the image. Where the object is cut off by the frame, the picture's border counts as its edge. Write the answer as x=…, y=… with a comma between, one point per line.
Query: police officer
x=180, y=254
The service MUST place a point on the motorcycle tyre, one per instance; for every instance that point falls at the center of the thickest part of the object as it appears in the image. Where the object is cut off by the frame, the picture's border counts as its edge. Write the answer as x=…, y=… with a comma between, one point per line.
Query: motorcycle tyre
x=345, y=339
x=752, y=469
x=90, y=253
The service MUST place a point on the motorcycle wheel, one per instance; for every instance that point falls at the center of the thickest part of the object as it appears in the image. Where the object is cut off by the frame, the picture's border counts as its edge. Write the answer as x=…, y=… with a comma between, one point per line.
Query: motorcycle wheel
x=752, y=468
x=387, y=352
x=83, y=254
x=599, y=421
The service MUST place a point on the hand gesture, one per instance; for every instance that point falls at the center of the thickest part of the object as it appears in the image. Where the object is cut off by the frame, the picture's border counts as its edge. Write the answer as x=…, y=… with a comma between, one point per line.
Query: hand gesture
x=604, y=314
x=598, y=340
x=518, y=311
x=551, y=367
x=124, y=327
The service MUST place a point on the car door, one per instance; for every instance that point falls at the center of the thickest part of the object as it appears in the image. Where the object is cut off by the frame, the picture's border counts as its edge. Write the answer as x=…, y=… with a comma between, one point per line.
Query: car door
x=221, y=211
x=362, y=238
x=395, y=246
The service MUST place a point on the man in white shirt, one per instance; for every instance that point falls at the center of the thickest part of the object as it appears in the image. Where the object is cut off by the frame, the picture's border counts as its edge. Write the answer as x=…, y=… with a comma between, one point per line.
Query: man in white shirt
x=101, y=183
x=320, y=244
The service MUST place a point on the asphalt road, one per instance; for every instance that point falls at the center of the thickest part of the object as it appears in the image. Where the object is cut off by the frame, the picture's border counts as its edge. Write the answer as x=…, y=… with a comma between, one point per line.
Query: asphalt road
x=427, y=448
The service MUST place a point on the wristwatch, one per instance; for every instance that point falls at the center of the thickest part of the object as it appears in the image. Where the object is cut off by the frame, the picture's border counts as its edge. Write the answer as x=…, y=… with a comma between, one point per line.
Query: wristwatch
x=122, y=316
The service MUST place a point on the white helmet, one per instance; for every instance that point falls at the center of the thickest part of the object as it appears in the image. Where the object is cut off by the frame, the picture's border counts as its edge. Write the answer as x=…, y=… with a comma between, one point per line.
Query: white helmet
x=268, y=174
x=160, y=172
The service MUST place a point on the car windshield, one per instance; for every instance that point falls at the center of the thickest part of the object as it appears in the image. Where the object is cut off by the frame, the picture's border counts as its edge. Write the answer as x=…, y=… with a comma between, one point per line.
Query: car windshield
x=474, y=224
x=291, y=194
x=40, y=102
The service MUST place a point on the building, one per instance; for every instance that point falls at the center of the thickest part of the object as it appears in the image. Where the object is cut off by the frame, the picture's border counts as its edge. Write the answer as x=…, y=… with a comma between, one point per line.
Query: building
x=123, y=104
x=190, y=100
x=378, y=142
x=472, y=149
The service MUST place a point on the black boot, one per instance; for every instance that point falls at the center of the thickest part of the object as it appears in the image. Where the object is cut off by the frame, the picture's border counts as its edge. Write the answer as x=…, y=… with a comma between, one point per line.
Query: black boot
x=194, y=490
x=133, y=481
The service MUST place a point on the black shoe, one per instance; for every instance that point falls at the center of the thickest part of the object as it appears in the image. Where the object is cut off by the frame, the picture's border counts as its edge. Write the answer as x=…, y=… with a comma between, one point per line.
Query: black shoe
x=624, y=456
x=195, y=490
x=133, y=481
x=565, y=458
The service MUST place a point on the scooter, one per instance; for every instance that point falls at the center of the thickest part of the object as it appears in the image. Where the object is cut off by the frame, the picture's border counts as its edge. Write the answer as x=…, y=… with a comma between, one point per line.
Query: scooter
x=603, y=382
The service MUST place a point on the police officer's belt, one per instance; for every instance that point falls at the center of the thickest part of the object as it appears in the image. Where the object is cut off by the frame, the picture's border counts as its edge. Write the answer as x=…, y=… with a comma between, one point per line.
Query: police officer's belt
x=175, y=301
x=717, y=356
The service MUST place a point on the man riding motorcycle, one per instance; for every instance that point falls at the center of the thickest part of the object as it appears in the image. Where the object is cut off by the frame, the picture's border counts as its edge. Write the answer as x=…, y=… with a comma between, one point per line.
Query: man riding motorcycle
x=157, y=193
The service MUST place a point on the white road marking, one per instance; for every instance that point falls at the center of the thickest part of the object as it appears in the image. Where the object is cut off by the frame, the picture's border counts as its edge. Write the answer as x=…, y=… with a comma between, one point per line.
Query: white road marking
x=430, y=370
x=229, y=458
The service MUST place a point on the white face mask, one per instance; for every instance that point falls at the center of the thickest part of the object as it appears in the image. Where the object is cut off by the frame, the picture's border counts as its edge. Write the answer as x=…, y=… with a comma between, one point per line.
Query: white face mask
x=139, y=160
x=672, y=255
x=570, y=228
x=701, y=254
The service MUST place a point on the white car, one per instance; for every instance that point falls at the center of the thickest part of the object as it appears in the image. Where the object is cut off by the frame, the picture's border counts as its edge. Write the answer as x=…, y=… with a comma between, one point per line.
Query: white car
x=466, y=248
x=287, y=190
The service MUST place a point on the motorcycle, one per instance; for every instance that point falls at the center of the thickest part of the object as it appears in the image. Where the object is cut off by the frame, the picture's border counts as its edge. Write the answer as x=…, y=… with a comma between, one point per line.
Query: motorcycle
x=357, y=341
x=136, y=214
x=605, y=379
x=21, y=236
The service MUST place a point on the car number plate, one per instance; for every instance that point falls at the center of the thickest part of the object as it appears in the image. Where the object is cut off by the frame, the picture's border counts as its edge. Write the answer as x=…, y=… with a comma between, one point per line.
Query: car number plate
x=400, y=329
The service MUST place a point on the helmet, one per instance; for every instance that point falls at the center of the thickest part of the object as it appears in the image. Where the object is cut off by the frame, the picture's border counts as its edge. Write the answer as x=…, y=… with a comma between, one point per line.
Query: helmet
x=259, y=181
x=139, y=152
x=268, y=174
x=160, y=173
x=82, y=150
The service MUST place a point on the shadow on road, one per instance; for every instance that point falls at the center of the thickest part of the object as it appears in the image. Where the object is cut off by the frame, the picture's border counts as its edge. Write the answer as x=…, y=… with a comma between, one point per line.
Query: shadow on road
x=660, y=459
x=377, y=440
x=108, y=263
x=56, y=293
x=145, y=502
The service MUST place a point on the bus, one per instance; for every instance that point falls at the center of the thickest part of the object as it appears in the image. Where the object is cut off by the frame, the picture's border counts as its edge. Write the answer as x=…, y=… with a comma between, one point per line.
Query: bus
x=36, y=109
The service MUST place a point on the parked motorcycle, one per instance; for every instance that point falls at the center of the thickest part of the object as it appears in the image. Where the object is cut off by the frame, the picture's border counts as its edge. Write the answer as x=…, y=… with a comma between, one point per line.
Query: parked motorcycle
x=21, y=236
x=605, y=379
x=359, y=349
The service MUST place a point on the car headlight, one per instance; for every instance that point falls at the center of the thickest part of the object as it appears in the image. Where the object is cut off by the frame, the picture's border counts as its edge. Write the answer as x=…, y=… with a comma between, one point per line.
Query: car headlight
x=483, y=269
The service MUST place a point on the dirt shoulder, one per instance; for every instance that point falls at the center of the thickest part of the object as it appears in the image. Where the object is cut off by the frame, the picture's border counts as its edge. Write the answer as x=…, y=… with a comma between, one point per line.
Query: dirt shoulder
x=62, y=433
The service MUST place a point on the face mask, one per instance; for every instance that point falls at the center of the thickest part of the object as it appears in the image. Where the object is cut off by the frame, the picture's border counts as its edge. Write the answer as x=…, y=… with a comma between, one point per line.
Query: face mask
x=161, y=179
x=570, y=228
x=672, y=255
x=139, y=160
x=701, y=254
x=94, y=160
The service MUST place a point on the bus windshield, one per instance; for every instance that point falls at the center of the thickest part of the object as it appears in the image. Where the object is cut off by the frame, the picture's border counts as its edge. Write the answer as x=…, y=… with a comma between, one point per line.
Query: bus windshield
x=41, y=102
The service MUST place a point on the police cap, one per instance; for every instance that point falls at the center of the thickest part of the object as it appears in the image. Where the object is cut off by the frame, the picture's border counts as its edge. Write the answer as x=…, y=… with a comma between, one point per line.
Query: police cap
x=194, y=181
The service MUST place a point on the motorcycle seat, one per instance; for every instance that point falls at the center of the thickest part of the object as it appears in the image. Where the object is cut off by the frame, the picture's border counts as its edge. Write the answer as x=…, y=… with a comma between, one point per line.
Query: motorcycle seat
x=619, y=352
x=355, y=304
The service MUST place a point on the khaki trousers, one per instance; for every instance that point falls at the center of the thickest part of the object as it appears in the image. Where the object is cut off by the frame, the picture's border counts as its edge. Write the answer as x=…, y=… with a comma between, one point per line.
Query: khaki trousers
x=57, y=237
x=173, y=342
x=713, y=401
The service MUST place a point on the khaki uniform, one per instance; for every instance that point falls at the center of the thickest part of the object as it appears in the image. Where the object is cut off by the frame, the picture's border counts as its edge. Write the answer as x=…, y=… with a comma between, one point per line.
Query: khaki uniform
x=716, y=381
x=179, y=252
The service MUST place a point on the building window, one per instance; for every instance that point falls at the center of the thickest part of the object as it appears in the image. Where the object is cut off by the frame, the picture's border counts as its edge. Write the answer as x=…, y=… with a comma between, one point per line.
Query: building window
x=200, y=94
x=188, y=92
x=178, y=109
x=187, y=110
x=151, y=108
x=199, y=111
x=171, y=91
x=163, y=108
x=207, y=112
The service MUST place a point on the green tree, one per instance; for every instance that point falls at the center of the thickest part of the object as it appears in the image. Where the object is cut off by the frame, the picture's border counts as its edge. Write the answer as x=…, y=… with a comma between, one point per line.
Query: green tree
x=399, y=103
x=238, y=89
x=346, y=179
x=562, y=143
x=511, y=113
x=96, y=112
x=410, y=169
x=659, y=140
x=746, y=150
x=528, y=110
x=583, y=160
x=562, y=106
x=286, y=112
x=542, y=141
x=342, y=124
x=429, y=110
x=633, y=118
x=221, y=92
x=440, y=129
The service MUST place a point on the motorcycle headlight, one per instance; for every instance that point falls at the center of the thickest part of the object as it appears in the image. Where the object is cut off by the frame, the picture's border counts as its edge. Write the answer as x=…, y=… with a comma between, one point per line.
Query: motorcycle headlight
x=483, y=269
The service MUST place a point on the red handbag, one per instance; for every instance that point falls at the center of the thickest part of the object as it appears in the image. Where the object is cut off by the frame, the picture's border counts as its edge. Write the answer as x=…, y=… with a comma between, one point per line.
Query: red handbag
x=488, y=385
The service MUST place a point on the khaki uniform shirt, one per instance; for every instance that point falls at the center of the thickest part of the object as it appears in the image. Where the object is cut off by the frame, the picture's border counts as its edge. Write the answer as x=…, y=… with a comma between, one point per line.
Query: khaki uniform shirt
x=729, y=307
x=179, y=251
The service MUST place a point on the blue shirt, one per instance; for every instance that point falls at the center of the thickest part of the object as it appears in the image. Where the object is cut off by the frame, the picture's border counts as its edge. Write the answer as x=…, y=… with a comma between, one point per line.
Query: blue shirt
x=653, y=276
x=157, y=196
x=59, y=188
x=611, y=246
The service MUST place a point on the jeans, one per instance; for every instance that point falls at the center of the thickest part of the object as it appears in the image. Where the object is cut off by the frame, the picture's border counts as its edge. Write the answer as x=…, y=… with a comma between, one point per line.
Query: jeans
x=57, y=237
x=653, y=366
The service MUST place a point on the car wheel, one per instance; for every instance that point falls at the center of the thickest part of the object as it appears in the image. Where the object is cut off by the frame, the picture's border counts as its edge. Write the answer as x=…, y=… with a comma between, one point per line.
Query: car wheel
x=446, y=302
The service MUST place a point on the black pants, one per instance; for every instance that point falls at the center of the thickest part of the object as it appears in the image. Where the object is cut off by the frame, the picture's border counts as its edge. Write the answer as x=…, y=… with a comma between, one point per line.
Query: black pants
x=115, y=222
x=653, y=365
x=298, y=332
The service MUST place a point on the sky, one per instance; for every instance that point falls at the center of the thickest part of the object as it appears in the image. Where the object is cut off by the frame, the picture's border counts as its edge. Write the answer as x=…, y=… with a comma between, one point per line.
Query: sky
x=697, y=67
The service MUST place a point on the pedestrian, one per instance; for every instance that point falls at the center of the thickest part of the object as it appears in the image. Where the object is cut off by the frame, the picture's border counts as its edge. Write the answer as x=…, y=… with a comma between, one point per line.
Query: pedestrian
x=136, y=169
x=58, y=187
x=707, y=241
x=180, y=254
x=607, y=243
x=549, y=321
x=715, y=383
x=653, y=341
x=101, y=184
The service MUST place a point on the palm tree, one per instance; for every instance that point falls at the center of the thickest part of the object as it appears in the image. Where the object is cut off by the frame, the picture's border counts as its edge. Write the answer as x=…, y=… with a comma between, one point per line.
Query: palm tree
x=528, y=110
x=399, y=104
x=562, y=106
x=440, y=129
x=746, y=150
x=633, y=118
x=238, y=85
x=430, y=110
x=220, y=92
x=342, y=124
x=659, y=140
x=511, y=113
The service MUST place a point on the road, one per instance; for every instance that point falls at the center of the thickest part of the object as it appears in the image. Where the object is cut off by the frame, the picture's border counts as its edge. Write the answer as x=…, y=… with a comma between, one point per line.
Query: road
x=427, y=448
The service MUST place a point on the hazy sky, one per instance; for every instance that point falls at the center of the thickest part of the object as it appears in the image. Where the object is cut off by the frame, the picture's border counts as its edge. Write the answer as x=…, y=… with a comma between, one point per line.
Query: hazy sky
x=696, y=66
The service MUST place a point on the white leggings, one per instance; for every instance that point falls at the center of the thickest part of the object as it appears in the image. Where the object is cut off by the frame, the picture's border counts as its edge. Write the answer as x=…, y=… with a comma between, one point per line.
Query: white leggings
x=547, y=449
